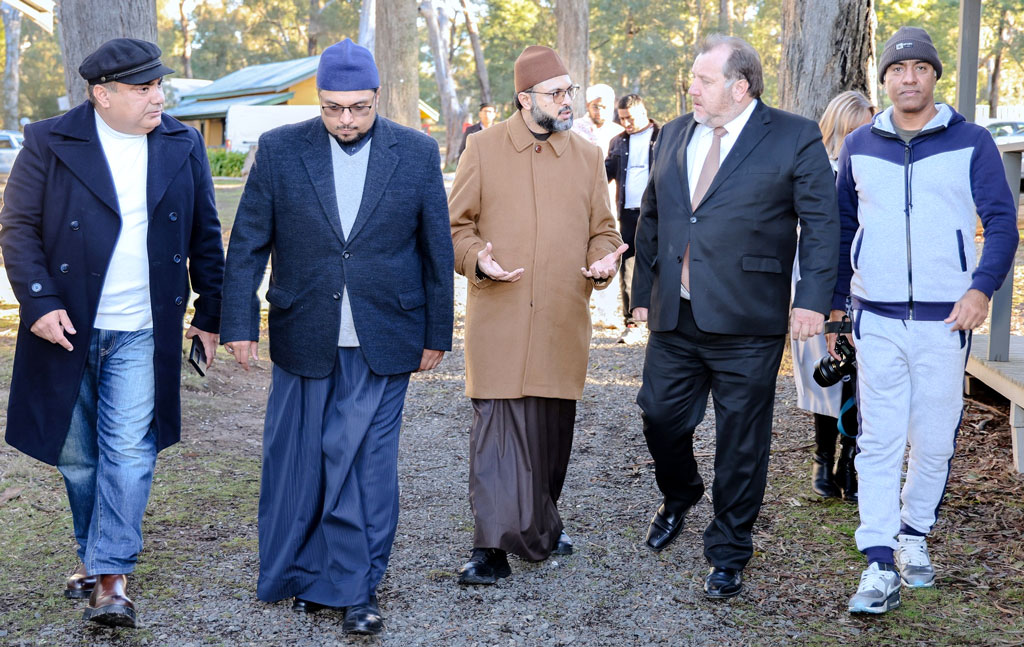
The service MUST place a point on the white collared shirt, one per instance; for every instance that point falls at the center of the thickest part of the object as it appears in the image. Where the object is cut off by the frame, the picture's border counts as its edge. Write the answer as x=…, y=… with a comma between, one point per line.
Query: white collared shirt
x=700, y=144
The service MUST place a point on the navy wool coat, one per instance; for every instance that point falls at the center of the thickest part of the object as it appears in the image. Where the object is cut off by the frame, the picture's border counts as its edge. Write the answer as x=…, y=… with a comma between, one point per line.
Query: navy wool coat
x=397, y=261
x=60, y=223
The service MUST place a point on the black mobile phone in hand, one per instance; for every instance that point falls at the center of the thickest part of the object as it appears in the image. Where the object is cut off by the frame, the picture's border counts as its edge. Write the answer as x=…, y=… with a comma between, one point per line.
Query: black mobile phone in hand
x=197, y=356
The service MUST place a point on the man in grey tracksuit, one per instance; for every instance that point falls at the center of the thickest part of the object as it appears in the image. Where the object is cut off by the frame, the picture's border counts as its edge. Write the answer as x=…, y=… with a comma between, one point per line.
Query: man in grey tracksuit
x=909, y=186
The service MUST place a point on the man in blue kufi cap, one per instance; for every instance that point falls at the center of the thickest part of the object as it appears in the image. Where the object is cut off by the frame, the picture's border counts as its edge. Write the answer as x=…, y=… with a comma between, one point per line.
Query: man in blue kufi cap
x=351, y=207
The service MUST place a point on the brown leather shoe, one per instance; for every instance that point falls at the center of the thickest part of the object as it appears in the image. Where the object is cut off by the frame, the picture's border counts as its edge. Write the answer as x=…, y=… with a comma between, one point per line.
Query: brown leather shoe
x=80, y=584
x=109, y=603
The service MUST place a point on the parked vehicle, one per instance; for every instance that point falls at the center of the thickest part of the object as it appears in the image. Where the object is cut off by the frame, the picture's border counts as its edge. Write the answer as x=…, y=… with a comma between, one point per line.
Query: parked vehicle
x=1008, y=132
x=10, y=143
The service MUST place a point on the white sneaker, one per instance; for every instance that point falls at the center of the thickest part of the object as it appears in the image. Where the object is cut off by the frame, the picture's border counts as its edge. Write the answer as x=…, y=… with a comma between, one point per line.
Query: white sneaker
x=911, y=556
x=631, y=336
x=879, y=590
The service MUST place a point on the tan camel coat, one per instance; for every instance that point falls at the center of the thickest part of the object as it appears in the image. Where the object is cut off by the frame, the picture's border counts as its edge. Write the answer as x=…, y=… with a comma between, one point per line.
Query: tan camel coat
x=543, y=206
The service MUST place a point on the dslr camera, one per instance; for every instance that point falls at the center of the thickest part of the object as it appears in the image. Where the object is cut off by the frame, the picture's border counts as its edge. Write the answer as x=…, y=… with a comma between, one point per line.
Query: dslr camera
x=829, y=370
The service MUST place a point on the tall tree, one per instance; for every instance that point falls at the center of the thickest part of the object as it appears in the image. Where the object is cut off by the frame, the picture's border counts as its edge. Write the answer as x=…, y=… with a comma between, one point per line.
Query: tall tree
x=12, y=67
x=397, y=53
x=367, y=23
x=725, y=16
x=827, y=48
x=451, y=109
x=87, y=24
x=573, y=18
x=186, y=40
x=478, y=54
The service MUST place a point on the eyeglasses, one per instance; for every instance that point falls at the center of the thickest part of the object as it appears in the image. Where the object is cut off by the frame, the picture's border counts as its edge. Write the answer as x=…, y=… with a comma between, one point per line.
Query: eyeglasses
x=558, y=95
x=356, y=111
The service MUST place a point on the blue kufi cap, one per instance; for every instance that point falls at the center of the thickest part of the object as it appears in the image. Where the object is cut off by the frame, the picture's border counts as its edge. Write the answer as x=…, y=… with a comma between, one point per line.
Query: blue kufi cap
x=346, y=66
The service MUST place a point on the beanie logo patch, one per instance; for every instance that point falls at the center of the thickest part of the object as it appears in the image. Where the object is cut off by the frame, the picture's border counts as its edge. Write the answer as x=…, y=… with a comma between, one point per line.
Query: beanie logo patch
x=900, y=46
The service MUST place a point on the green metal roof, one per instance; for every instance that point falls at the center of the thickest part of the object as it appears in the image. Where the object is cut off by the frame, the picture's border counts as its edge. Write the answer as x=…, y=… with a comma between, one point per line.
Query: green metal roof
x=218, y=109
x=258, y=79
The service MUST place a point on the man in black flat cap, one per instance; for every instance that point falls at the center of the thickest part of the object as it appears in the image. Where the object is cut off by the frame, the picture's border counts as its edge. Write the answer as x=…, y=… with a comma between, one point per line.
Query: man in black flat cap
x=108, y=218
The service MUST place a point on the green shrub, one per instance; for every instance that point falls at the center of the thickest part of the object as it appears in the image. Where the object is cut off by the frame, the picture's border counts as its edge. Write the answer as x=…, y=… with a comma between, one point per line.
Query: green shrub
x=224, y=163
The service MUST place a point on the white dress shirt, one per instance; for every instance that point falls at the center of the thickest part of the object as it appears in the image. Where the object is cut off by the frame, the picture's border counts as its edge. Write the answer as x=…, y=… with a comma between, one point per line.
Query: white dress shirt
x=700, y=144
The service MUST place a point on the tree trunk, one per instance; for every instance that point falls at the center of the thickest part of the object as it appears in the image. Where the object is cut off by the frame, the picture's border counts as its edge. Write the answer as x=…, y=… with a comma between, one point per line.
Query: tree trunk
x=725, y=16
x=313, y=28
x=396, y=52
x=451, y=110
x=12, y=68
x=997, y=66
x=574, y=46
x=87, y=24
x=827, y=48
x=367, y=20
x=186, y=41
x=478, y=55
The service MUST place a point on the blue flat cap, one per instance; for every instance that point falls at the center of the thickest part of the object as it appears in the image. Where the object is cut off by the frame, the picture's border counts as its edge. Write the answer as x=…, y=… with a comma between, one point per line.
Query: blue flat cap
x=346, y=66
x=128, y=60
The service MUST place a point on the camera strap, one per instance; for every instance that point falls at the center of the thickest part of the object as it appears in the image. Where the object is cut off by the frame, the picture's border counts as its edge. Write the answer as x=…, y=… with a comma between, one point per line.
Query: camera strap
x=838, y=327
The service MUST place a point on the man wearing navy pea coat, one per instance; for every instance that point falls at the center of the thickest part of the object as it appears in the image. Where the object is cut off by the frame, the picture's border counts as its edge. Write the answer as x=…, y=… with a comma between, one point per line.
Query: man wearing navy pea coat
x=108, y=220
x=351, y=209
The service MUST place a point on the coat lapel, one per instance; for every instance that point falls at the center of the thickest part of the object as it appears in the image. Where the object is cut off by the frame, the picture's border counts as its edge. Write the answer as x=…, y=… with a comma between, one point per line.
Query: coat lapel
x=681, y=161
x=379, y=169
x=167, y=154
x=82, y=153
x=319, y=165
x=753, y=132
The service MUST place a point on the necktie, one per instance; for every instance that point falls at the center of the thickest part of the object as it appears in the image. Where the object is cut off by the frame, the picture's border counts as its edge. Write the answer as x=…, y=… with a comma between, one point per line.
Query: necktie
x=707, y=174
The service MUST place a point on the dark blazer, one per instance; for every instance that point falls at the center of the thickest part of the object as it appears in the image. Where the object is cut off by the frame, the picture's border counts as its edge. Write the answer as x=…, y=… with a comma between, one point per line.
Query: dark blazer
x=743, y=235
x=397, y=262
x=617, y=162
x=60, y=223
x=475, y=128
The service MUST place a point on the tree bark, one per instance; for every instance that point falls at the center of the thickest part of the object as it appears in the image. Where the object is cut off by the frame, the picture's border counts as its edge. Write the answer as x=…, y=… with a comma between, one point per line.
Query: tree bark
x=186, y=41
x=87, y=24
x=12, y=68
x=367, y=21
x=573, y=21
x=451, y=109
x=313, y=28
x=827, y=48
x=725, y=16
x=997, y=65
x=478, y=55
x=396, y=51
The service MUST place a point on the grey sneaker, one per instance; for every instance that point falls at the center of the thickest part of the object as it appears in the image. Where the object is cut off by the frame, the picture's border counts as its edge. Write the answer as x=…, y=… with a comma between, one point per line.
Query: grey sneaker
x=879, y=590
x=632, y=335
x=915, y=568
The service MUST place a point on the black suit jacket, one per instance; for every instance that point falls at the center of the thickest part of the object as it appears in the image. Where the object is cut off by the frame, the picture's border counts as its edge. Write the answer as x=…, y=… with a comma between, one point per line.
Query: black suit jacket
x=743, y=235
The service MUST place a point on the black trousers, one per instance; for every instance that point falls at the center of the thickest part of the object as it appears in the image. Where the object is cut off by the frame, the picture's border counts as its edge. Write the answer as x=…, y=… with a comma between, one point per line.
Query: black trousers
x=628, y=219
x=680, y=369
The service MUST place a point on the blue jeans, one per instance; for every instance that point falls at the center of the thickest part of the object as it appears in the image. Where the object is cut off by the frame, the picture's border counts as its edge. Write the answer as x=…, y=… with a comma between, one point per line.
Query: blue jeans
x=108, y=457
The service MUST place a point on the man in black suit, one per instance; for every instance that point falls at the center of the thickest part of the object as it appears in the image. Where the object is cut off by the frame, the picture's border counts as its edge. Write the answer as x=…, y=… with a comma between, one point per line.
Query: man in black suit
x=714, y=253
x=488, y=113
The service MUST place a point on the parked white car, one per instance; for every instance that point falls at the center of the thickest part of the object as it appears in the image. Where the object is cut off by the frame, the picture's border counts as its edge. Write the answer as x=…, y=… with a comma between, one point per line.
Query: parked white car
x=10, y=143
x=1007, y=132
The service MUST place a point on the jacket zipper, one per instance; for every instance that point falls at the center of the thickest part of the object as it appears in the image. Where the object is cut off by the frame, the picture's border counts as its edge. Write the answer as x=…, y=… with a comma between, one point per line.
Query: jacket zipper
x=907, y=206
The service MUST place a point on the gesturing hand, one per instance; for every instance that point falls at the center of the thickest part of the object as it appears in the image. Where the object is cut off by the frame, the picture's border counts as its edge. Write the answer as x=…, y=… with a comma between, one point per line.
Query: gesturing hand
x=52, y=326
x=243, y=351
x=605, y=267
x=969, y=312
x=485, y=263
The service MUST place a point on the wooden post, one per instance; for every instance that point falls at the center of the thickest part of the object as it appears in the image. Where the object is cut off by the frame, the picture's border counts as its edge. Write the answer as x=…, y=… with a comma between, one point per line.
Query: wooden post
x=1017, y=433
x=967, y=59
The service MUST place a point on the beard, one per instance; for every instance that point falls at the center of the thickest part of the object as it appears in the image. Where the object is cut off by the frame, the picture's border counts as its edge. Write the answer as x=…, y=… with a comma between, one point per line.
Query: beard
x=549, y=123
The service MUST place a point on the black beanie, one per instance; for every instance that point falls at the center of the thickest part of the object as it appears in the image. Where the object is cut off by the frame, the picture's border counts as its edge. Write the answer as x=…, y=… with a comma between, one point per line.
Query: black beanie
x=909, y=44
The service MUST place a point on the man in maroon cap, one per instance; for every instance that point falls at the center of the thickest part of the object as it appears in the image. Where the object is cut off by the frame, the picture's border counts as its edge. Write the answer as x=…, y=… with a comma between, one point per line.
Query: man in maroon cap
x=534, y=234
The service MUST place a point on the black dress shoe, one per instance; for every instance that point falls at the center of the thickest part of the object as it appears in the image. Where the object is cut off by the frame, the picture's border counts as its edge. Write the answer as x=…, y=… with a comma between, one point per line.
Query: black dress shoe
x=305, y=606
x=563, y=546
x=665, y=526
x=723, y=583
x=485, y=566
x=363, y=619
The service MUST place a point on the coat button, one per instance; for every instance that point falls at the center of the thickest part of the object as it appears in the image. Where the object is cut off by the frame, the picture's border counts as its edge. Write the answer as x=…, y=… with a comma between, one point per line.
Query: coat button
x=178, y=301
x=346, y=255
x=679, y=259
x=36, y=287
x=172, y=216
x=177, y=258
x=64, y=267
x=337, y=296
x=74, y=225
x=536, y=149
x=693, y=219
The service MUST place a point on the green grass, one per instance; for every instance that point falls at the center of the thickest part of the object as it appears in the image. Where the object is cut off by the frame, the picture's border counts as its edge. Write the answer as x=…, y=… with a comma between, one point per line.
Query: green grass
x=229, y=193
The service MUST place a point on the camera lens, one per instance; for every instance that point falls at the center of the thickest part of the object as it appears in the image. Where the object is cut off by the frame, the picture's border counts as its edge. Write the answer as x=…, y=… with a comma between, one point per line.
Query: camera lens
x=827, y=371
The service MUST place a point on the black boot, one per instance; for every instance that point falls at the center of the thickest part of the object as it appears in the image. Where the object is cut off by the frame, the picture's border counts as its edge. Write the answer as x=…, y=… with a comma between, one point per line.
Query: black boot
x=846, y=473
x=822, y=480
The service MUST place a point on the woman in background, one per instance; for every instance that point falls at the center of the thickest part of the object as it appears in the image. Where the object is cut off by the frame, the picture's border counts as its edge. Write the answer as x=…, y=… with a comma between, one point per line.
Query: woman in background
x=834, y=407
